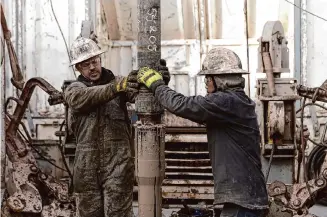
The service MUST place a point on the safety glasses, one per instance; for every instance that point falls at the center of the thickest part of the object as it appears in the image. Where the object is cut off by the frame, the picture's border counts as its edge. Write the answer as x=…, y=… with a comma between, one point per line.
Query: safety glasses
x=207, y=79
x=87, y=64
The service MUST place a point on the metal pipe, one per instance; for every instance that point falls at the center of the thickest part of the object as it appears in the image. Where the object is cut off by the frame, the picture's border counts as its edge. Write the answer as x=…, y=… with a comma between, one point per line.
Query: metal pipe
x=304, y=43
x=203, y=29
x=297, y=45
x=187, y=138
x=150, y=168
x=268, y=68
x=312, y=93
x=149, y=132
x=2, y=125
x=17, y=80
x=247, y=45
x=297, y=41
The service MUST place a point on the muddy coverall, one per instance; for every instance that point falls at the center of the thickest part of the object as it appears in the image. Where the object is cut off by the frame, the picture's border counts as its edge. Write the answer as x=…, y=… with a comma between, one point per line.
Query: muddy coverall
x=233, y=142
x=104, y=167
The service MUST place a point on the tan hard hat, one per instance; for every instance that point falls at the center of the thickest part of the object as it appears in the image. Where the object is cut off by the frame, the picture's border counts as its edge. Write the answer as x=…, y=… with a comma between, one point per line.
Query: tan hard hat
x=83, y=49
x=221, y=61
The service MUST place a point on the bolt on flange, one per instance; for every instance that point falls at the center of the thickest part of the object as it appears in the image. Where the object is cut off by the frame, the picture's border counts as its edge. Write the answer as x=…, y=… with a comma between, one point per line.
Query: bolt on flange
x=320, y=182
x=277, y=190
x=297, y=202
x=37, y=207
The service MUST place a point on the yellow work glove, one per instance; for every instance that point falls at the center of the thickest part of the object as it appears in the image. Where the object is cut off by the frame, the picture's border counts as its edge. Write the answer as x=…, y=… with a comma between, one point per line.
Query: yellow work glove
x=149, y=76
x=127, y=84
x=121, y=84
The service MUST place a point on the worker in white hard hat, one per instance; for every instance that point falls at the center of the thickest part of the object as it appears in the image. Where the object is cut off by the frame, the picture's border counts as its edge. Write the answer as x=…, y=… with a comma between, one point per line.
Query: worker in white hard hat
x=103, y=176
x=232, y=130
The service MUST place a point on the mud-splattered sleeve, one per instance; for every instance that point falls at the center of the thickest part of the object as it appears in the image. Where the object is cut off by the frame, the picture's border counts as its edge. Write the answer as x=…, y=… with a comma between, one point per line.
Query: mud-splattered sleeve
x=195, y=108
x=80, y=98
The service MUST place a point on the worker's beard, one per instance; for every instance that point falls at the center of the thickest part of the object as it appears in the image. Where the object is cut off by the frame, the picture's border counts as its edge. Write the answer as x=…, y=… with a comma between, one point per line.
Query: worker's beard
x=105, y=78
x=225, y=82
x=94, y=75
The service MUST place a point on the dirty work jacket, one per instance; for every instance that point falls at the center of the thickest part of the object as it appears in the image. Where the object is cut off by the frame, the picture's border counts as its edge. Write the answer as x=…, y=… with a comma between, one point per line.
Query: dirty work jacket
x=104, y=167
x=233, y=142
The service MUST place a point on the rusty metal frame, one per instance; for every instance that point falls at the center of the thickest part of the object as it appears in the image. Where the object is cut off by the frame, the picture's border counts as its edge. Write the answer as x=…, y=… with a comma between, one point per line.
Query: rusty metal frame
x=30, y=190
x=300, y=197
x=297, y=200
x=14, y=120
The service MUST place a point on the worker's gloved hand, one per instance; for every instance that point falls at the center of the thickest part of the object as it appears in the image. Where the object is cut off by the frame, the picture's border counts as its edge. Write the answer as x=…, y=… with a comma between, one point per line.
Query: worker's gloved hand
x=120, y=84
x=132, y=86
x=127, y=84
x=164, y=71
x=150, y=78
x=132, y=80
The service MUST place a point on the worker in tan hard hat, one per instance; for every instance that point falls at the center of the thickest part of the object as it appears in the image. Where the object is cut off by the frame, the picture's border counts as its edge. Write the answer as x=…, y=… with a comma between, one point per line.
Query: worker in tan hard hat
x=104, y=166
x=232, y=128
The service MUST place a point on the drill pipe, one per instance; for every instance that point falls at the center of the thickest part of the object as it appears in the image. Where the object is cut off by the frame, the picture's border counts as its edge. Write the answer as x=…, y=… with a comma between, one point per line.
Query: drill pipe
x=149, y=132
x=150, y=168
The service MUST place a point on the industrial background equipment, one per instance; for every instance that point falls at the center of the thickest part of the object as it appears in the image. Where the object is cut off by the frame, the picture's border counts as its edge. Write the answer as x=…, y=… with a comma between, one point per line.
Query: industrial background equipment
x=276, y=99
x=277, y=117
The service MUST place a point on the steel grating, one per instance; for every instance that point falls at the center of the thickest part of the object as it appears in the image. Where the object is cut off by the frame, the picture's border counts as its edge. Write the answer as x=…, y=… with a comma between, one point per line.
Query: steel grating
x=188, y=174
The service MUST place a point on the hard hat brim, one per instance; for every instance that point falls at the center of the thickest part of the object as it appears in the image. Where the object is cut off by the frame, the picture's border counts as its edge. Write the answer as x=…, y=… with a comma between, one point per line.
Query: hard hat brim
x=222, y=72
x=87, y=57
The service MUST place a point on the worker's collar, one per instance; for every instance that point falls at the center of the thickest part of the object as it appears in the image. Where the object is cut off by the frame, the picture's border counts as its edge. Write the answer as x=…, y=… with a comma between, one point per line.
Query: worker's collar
x=106, y=77
x=229, y=82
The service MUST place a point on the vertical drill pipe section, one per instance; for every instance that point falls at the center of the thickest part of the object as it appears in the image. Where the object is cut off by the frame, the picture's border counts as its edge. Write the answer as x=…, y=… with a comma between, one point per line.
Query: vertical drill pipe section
x=149, y=132
x=150, y=168
x=148, y=54
x=149, y=33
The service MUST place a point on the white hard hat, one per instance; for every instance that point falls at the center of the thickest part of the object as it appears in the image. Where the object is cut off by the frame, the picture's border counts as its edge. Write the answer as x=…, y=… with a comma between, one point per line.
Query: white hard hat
x=221, y=60
x=83, y=49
